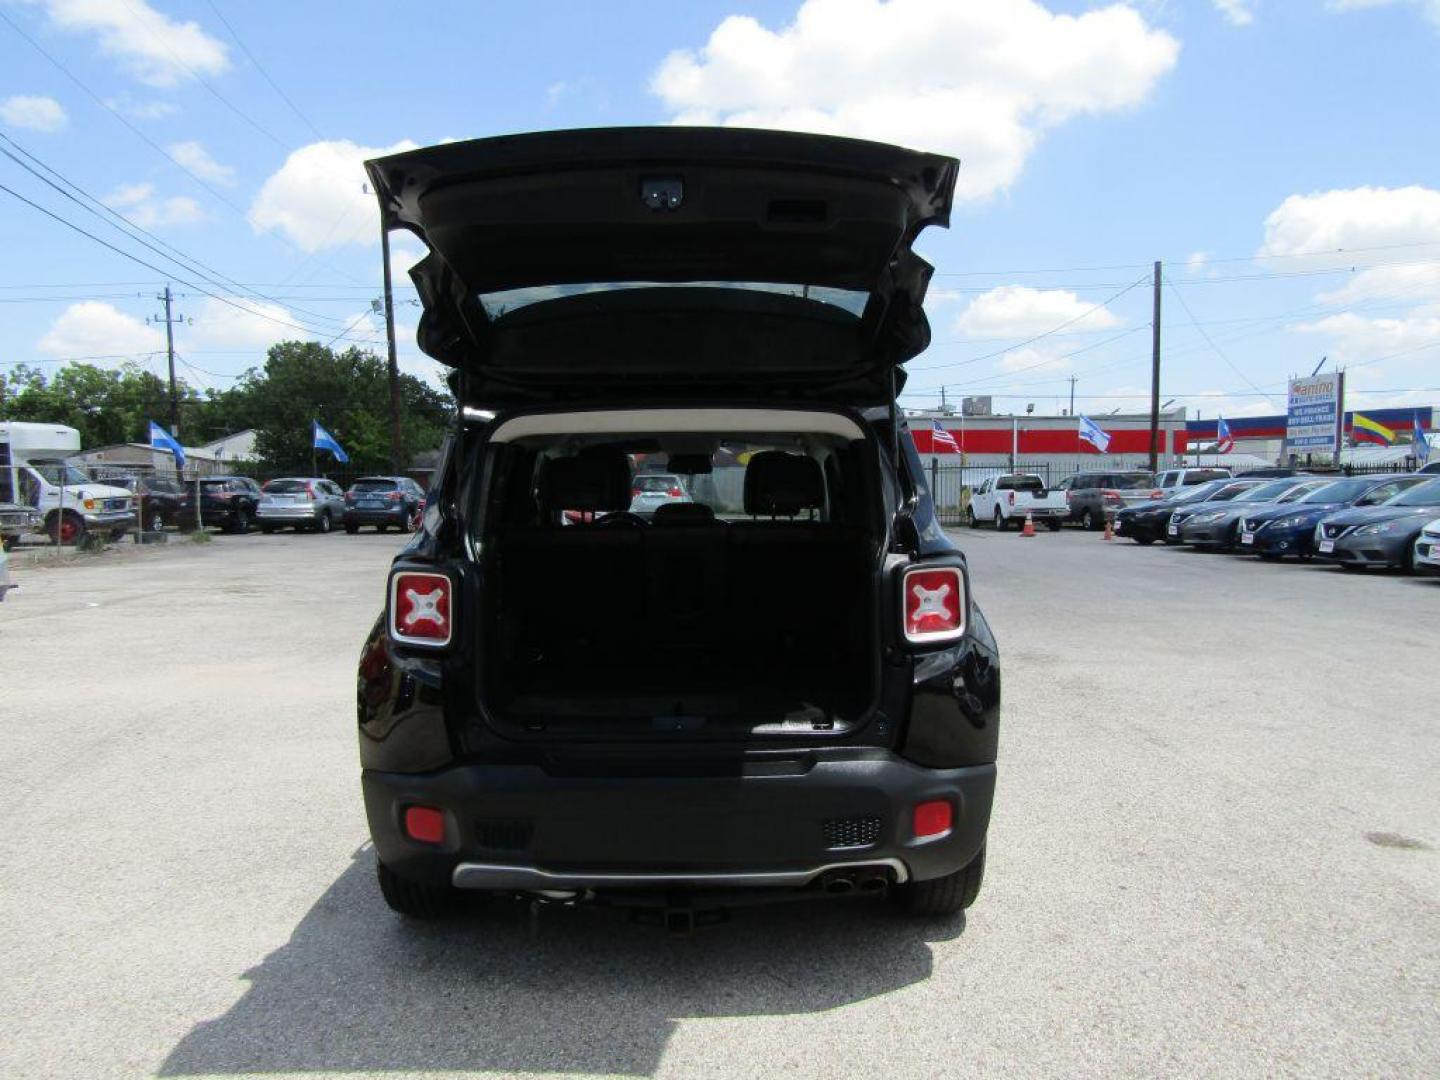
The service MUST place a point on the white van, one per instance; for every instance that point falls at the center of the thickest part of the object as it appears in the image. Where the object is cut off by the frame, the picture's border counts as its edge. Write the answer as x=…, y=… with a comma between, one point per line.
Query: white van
x=34, y=471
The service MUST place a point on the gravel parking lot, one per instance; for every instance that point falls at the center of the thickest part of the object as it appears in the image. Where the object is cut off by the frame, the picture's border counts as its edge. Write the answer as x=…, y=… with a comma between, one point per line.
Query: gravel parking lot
x=1214, y=851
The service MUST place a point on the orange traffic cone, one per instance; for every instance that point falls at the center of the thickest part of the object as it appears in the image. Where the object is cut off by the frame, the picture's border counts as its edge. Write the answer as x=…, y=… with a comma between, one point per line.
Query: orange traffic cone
x=1109, y=528
x=1029, y=529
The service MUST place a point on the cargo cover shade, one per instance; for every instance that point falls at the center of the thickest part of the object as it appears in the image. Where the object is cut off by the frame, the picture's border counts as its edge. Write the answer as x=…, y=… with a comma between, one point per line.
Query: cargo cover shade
x=661, y=262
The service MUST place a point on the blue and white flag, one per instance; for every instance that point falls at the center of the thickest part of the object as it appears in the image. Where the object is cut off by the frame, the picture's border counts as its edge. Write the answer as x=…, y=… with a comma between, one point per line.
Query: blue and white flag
x=325, y=441
x=162, y=439
x=1094, y=434
x=1422, y=444
x=1224, y=441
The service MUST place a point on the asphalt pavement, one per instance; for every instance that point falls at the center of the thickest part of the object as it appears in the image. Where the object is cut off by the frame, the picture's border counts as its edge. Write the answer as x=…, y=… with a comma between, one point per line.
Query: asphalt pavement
x=1214, y=850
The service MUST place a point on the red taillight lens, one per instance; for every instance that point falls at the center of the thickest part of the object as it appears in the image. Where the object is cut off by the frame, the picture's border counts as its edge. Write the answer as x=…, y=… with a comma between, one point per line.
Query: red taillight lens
x=395, y=496
x=674, y=493
x=934, y=604
x=634, y=493
x=426, y=824
x=1111, y=496
x=1157, y=494
x=420, y=609
x=934, y=818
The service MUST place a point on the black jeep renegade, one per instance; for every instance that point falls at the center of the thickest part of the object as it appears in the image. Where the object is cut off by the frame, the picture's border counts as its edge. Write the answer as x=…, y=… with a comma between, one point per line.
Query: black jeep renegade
x=778, y=685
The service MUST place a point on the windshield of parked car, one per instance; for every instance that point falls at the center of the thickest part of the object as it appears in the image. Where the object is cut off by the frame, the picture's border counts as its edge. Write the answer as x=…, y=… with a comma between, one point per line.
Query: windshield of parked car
x=1230, y=492
x=360, y=487
x=1299, y=491
x=1131, y=481
x=1200, y=492
x=501, y=303
x=1341, y=491
x=60, y=472
x=1426, y=494
x=1266, y=492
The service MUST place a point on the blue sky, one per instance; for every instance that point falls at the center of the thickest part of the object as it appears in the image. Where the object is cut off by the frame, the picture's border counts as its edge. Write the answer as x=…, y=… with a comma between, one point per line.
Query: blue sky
x=1243, y=143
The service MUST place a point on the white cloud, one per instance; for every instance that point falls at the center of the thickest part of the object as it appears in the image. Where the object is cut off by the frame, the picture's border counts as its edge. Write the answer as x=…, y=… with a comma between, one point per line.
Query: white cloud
x=91, y=328
x=1430, y=8
x=982, y=81
x=1197, y=262
x=33, y=112
x=1346, y=219
x=193, y=156
x=143, y=110
x=139, y=203
x=1018, y=311
x=155, y=49
x=1236, y=12
x=317, y=198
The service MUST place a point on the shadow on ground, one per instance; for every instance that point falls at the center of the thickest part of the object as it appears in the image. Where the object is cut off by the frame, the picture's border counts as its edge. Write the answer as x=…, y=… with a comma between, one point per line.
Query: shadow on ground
x=573, y=990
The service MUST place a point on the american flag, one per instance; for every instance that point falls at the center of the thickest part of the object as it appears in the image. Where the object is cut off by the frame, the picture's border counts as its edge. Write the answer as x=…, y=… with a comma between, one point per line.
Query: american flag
x=941, y=441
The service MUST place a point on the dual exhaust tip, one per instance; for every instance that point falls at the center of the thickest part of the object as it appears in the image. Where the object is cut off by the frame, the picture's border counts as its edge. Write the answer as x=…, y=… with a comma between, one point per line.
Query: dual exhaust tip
x=863, y=881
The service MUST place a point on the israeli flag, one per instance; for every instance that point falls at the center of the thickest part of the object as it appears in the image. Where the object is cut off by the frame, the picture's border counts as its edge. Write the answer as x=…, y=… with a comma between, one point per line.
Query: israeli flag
x=1094, y=434
x=162, y=439
x=325, y=441
x=1422, y=444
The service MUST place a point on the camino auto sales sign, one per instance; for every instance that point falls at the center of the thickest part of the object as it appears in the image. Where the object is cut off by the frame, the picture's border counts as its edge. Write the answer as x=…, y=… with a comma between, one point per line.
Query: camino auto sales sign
x=1313, y=419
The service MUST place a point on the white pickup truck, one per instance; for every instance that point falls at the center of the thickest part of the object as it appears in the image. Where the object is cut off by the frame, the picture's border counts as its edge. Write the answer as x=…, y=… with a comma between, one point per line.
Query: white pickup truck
x=1007, y=498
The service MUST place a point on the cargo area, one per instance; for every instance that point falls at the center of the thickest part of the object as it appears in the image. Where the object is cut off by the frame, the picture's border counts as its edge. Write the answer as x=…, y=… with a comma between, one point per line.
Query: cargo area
x=744, y=605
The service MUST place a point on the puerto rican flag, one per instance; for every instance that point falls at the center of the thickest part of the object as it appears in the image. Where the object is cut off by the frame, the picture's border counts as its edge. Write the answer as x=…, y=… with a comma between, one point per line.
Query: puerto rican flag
x=941, y=440
x=1224, y=441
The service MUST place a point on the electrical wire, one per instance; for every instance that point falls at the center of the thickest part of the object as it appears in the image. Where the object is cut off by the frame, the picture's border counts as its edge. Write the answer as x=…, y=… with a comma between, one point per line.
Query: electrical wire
x=1174, y=291
x=263, y=73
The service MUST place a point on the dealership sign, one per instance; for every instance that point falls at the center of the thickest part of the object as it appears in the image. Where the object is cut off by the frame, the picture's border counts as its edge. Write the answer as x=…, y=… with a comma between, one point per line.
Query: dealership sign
x=1313, y=419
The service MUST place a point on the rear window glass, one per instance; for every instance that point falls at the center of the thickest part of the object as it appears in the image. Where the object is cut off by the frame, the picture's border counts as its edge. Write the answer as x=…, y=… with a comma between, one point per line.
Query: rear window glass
x=1021, y=483
x=362, y=486
x=655, y=483
x=287, y=487
x=1130, y=481
x=508, y=300
x=1201, y=476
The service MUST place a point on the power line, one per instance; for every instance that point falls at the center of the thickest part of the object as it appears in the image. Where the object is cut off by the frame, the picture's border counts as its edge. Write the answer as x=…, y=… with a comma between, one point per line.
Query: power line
x=1210, y=341
x=180, y=258
x=158, y=270
x=263, y=73
x=205, y=82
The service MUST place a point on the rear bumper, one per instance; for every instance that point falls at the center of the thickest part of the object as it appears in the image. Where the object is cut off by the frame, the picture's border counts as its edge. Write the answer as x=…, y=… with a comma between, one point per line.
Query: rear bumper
x=777, y=821
x=390, y=516
x=286, y=513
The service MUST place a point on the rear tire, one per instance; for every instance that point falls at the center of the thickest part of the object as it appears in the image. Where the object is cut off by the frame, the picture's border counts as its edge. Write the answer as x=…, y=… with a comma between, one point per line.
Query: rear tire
x=999, y=520
x=415, y=899
x=946, y=895
x=351, y=530
x=324, y=525
x=1087, y=521
x=970, y=518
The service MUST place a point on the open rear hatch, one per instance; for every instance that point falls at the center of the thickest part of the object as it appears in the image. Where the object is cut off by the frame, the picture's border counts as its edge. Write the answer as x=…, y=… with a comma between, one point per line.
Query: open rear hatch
x=655, y=263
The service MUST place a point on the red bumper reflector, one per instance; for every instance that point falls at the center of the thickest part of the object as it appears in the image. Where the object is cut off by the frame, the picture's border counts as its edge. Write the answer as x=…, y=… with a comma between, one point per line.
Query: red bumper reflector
x=425, y=823
x=934, y=818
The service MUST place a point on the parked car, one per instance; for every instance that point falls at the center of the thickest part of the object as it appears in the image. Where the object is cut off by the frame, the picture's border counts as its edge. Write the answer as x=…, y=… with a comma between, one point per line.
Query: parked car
x=1145, y=523
x=383, y=501
x=1276, y=531
x=1218, y=527
x=650, y=491
x=35, y=470
x=680, y=713
x=1172, y=481
x=1008, y=498
x=15, y=521
x=304, y=503
x=1427, y=548
x=159, y=499
x=1091, y=496
x=1270, y=472
x=1383, y=535
x=225, y=501
x=1431, y=468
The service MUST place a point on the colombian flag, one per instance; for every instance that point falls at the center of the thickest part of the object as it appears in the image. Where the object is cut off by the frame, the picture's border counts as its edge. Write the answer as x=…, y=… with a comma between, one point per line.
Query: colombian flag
x=1363, y=429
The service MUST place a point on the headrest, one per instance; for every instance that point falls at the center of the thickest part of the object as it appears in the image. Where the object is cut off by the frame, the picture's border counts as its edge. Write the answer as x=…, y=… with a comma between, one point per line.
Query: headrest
x=594, y=481
x=678, y=513
x=780, y=483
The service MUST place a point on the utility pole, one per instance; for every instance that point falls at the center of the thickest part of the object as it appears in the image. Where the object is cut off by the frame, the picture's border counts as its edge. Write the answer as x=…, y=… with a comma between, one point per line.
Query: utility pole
x=1072, y=395
x=167, y=297
x=1155, y=377
x=394, y=367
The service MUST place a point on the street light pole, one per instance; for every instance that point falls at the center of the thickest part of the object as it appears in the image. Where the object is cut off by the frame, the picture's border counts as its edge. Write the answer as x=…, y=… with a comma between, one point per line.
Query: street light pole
x=1155, y=377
